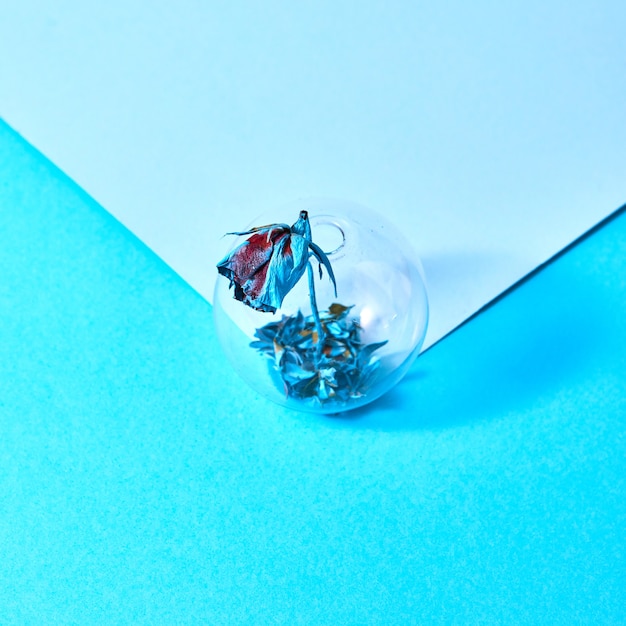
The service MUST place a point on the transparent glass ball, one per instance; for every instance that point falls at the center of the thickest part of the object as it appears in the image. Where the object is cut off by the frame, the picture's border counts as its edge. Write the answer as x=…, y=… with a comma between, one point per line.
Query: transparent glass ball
x=371, y=330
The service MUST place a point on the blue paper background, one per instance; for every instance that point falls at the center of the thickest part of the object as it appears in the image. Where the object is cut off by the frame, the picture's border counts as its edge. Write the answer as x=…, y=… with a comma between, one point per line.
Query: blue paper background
x=140, y=482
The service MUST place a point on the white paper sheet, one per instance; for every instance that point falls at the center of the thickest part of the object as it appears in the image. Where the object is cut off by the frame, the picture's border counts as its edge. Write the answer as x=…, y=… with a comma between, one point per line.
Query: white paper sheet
x=492, y=133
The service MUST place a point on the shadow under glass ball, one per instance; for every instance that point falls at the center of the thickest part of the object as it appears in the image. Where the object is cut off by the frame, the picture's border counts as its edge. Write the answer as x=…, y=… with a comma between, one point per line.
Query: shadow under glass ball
x=366, y=336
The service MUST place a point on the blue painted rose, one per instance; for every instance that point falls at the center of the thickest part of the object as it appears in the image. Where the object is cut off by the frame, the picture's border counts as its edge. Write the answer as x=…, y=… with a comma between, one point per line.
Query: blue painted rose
x=266, y=267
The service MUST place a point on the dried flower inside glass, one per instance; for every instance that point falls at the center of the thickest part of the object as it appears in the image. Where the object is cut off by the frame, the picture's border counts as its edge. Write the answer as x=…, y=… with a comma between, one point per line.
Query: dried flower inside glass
x=321, y=352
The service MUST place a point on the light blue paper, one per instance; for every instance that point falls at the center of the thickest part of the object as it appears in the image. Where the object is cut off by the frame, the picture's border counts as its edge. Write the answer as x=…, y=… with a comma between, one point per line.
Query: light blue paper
x=493, y=133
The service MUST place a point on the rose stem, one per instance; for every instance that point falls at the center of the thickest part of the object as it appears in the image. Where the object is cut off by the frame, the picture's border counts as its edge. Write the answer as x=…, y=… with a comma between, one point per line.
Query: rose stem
x=321, y=335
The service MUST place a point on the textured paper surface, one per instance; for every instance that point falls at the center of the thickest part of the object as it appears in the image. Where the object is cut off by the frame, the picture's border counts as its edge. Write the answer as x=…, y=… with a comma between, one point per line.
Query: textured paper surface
x=492, y=135
x=142, y=483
